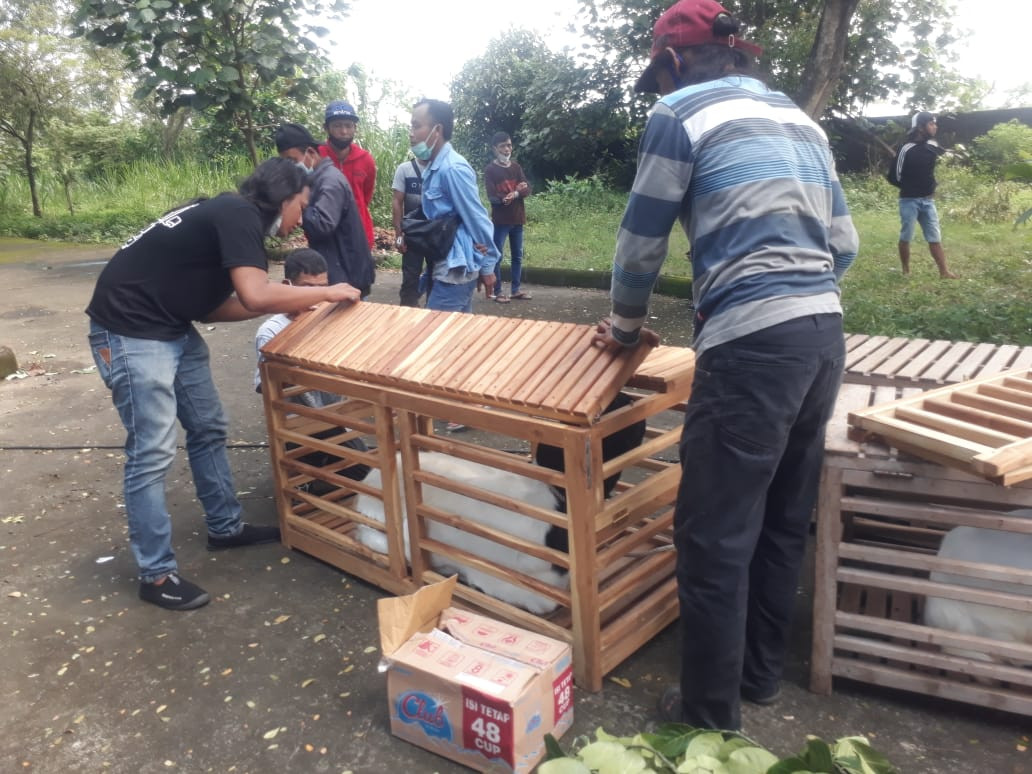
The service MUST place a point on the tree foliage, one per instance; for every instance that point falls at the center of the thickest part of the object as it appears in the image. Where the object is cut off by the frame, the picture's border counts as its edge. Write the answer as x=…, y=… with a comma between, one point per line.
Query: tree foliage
x=220, y=56
x=835, y=55
x=561, y=123
x=44, y=78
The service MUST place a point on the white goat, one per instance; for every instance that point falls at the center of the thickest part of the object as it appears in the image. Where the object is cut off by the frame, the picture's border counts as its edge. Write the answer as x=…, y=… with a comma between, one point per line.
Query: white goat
x=491, y=479
x=988, y=546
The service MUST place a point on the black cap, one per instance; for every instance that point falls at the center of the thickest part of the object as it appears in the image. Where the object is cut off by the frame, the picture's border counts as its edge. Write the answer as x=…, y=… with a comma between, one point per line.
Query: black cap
x=921, y=119
x=294, y=136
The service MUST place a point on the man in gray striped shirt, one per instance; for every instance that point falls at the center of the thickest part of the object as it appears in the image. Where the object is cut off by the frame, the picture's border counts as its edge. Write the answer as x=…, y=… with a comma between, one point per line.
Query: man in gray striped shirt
x=751, y=179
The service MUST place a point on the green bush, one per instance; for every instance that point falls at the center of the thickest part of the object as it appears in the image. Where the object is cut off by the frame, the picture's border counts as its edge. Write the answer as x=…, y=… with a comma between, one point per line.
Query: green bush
x=104, y=226
x=1001, y=146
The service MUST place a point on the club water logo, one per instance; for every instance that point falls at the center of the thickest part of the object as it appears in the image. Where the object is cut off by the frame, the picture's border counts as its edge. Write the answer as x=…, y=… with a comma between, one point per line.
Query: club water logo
x=418, y=707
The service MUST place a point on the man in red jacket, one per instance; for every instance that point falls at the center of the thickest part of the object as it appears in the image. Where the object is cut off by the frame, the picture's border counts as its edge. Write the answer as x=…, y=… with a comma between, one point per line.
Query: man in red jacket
x=355, y=162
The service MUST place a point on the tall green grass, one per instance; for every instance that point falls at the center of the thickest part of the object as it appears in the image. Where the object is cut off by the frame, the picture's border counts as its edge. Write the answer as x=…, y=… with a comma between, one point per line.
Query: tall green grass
x=572, y=224
x=115, y=206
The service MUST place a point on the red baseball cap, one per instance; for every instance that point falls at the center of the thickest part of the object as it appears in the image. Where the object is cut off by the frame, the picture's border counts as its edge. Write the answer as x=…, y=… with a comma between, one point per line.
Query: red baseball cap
x=688, y=23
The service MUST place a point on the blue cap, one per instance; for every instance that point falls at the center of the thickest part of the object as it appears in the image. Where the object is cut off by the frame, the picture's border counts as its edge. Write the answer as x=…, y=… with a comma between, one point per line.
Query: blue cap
x=340, y=109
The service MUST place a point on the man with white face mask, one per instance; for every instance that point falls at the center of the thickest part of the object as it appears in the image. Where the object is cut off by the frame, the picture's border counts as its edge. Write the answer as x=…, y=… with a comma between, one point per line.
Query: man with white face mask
x=507, y=187
x=450, y=188
x=332, y=219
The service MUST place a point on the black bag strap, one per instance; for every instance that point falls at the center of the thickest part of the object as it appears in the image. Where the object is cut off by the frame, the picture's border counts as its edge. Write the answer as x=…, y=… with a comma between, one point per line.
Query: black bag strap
x=415, y=167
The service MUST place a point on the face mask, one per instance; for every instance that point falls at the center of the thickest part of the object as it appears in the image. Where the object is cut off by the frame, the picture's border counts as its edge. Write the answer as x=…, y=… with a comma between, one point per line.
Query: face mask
x=421, y=150
x=275, y=227
x=503, y=158
x=340, y=144
x=301, y=165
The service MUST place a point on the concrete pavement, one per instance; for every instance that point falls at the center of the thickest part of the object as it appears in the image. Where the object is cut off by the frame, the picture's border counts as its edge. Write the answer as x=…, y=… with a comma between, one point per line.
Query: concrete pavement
x=279, y=672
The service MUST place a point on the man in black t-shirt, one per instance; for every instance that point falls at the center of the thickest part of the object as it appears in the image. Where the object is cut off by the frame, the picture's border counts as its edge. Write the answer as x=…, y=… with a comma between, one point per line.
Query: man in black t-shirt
x=913, y=172
x=204, y=261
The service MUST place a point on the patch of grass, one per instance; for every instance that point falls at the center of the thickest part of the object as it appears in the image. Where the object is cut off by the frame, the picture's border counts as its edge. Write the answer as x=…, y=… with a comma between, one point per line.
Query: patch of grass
x=572, y=225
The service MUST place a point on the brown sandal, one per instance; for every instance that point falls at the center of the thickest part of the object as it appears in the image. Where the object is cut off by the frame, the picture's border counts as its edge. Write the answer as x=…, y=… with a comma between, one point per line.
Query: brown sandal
x=522, y=296
x=501, y=299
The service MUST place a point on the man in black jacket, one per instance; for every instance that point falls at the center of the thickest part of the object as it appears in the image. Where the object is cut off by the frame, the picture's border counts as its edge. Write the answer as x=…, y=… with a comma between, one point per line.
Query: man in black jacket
x=331, y=220
x=913, y=172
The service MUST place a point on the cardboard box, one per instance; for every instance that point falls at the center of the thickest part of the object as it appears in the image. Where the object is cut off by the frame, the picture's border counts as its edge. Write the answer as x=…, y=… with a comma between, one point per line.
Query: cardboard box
x=470, y=688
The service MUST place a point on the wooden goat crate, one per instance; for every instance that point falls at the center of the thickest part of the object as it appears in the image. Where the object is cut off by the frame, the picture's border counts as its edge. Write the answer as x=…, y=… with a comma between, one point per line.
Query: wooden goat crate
x=881, y=518
x=393, y=372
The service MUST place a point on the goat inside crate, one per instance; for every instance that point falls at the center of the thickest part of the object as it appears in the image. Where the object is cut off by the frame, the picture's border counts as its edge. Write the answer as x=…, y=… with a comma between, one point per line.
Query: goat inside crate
x=521, y=544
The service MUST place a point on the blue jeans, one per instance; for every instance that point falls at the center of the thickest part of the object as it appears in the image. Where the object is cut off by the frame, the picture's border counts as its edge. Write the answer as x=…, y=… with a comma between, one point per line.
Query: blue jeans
x=751, y=454
x=451, y=296
x=515, y=234
x=920, y=210
x=152, y=384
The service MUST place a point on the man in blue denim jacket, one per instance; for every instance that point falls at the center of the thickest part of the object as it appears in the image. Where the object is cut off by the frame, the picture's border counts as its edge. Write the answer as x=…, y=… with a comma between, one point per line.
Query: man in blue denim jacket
x=450, y=186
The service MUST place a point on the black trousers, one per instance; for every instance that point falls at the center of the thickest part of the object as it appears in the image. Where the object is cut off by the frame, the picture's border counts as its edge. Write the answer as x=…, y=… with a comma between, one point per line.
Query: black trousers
x=411, y=269
x=751, y=453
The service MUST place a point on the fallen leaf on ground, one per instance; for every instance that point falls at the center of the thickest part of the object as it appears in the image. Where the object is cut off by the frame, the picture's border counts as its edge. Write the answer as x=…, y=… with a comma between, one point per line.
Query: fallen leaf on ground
x=621, y=681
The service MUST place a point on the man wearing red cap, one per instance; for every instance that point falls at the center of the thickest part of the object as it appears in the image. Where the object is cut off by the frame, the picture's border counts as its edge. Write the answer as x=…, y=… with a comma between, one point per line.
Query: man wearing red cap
x=751, y=178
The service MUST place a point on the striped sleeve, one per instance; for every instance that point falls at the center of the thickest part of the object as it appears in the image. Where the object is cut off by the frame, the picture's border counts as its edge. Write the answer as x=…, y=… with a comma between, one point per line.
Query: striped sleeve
x=657, y=200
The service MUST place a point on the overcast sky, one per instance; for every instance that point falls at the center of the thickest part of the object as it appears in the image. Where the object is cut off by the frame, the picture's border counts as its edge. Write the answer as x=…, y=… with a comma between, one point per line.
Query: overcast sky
x=424, y=45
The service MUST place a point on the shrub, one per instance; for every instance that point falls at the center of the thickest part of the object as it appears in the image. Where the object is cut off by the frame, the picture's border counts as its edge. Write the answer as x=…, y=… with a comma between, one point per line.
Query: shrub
x=1001, y=146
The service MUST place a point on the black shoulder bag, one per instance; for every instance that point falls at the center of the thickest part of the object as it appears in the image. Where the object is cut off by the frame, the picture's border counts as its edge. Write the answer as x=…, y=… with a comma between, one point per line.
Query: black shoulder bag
x=430, y=238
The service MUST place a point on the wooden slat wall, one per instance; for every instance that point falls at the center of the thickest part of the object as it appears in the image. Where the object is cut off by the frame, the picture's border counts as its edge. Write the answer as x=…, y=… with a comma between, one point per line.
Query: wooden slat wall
x=927, y=363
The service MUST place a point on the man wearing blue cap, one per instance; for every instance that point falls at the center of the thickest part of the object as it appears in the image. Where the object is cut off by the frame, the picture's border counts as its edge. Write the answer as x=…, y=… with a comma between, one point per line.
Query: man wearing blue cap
x=353, y=160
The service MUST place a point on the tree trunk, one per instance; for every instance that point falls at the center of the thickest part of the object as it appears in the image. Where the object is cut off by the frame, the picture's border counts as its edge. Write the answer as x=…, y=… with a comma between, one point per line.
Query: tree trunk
x=68, y=194
x=171, y=128
x=249, y=137
x=824, y=65
x=29, y=170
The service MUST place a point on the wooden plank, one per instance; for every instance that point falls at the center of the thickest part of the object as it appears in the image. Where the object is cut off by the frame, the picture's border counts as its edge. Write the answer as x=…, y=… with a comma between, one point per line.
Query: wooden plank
x=972, y=693
x=829, y=536
x=854, y=340
x=893, y=582
x=918, y=437
x=874, y=359
x=1005, y=394
x=915, y=368
x=947, y=361
x=986, y=412
x=971, y=365
x=903, y=356
x=1007, y=459
x=928, y=658
x=895, y=558
x=1000, y=360
x=955, y=428
x=926, y=635
x=1024, y=359
x=1018, y=380
x=858, y=353
x=941, y=514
